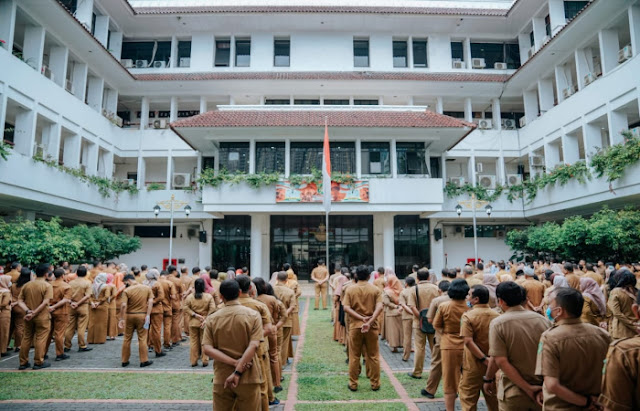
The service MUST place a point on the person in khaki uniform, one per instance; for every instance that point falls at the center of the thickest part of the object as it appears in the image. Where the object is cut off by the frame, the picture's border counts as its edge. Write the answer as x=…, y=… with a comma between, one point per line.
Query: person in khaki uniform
x=447, y=320
x=170, y=294
x=320, y=276
x=176, y=305
x=435, y=373
x=99, y=312
x=535, y=291
x=17, y=313
x=593, y=275
x=198, y=306
x=59, y=310
x=232, y=336
x=292, y=283
x=137, y=302
x=513, y=343
x=407, y=318
x=621, y=379
x=288, y=298
x=34, y=299
x=187, y=283
x=5, y=313
x=426, y=293
x=79, y=313
x=363, y=303
x=474, y=328
x=14, y=273
x=570, y=354
x=620, y=303
x=157, y=311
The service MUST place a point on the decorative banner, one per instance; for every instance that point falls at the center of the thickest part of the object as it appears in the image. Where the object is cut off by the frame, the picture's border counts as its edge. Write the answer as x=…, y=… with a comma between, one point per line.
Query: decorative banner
x=357, y=192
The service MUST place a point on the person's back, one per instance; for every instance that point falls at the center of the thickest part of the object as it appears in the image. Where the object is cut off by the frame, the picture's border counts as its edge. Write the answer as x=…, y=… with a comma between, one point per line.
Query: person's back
x=621, y=379
x=535, y=291
x=137, y=296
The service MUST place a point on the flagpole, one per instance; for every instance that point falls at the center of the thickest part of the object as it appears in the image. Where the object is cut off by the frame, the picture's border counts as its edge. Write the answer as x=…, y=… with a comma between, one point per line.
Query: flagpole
x=326, y=122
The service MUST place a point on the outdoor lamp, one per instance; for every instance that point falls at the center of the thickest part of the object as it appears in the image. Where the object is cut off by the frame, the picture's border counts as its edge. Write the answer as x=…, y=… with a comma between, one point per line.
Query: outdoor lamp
x=459, y=210
x=489, y=210
x=156, y=210
x=187, y=210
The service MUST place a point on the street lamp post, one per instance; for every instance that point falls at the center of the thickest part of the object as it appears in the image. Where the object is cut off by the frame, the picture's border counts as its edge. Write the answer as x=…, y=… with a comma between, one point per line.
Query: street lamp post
x=172, y=204
x=474, y=204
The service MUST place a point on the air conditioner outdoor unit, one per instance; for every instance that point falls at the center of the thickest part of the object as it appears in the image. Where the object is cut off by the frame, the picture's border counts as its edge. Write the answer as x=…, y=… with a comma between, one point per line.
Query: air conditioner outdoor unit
x=127, y=63
x=522, y=122
x=69, y=86
x=458, y=64
x=185, y=61
x=485, y=124
x=141, y=63
x=181, y=180
x=46, y=71
x=160, y=123
x=487, y=181
x=514, y=179
x=567, y=92
x=159, y=64
x=625, y=54
x=508, y=124
x=589, y=78
x=500, y=66
x=478, y=63
x=531, y=51
x=457, y=181
x=545, y=39
x=536, y=161
x=500, y=234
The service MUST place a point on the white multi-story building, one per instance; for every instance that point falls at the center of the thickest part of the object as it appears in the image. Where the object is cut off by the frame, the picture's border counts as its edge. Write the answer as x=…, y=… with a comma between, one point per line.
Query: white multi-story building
x=415, y=94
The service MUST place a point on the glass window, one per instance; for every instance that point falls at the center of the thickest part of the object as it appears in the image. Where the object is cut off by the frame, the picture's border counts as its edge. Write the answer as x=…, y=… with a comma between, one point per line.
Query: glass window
x=547, y=25
x=9, y=133
x=336, y=102
x=277, y=101
x=343, y=157
x=308, y=102
x=243, y=53
x=411, y=243
x=305, y=157
x=532, y=39
x=365, y=102
x=400, y=53
x=184, y=53
x=270, y=158
x=223, y=53
x=419, y=53
x=376, y=158
x=208, y=162
x=457, y=52
x=489, y=231
x=572, y=8
x=411, y=158
x=70, y=5
x=434, y=163
x=493, y=53
x=281, y=52
x=234, y=157
x=231, y=242
x=512, y=56
x=454, y=114
x=143, y=50
x=361, y=53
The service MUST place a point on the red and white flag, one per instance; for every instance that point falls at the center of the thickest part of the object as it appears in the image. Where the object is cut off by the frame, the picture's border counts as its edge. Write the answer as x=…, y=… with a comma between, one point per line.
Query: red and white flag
x=326, y=170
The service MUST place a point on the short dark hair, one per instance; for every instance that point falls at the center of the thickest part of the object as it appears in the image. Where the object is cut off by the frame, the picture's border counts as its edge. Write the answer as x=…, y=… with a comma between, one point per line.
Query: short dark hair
x=511, y=293
x=244, y=282
x=15, y=265
x=568, y=266
x=589, y=267
x=245, y=270
x=362, y=272
x=480, y=266
x=58, y=272
x=195, y=270
x=164, y=272
x=81, y=271
x=570, y=300
x=230, y=290
x=423, y=274
x=286, y=266
x=143, y=267
x=320, y=261
x=261, y=285
x=213, y=274
x=380, y=270
x=444, y=285
x=410, y=281
x=480, y=292
x=458, y=289
x=199, y=287
x=502, y=265
x=129, y=277
x=548, y=274
x=452, y=273
x=282, y=276
x=184, y=269
x=135, y=271
x=415, y=267
x=171, y=269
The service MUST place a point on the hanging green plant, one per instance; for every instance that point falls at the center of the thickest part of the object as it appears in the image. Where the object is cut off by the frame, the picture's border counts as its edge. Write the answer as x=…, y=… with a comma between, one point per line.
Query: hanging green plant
x=612, y=161
x=155, y=186
x=5, y=150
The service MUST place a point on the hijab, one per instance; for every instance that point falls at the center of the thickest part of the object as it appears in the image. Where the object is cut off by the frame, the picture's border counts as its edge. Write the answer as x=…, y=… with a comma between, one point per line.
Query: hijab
x=560, y=282
x=274, y=279
x=208, y=288
x=491, y=282
x=99, y=282
x=231, y=275
x=5, y=283
x=589, y=288
x=110, y=278
x=152, y=276
x=388, y=271
x=339, y=282
x=393, y=288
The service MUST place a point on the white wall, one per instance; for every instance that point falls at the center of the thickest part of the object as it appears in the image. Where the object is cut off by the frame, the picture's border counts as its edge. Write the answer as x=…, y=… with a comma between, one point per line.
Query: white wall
x=458, y=249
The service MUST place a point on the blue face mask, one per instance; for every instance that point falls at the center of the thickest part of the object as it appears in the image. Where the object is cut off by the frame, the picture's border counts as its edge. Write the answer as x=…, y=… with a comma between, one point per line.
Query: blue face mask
x=549, y=314
x=469, y=304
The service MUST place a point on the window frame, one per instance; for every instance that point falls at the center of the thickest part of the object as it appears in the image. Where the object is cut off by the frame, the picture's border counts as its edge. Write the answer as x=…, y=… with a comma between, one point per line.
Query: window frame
x=426, y=52
x=276, y=55
x=396, y=45
x=244, y=41
x=360, y=41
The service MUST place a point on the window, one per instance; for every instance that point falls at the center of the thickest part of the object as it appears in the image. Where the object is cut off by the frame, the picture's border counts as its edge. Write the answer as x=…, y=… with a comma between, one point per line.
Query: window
x=223, y=53
x=153, y=231
x=512, y=56
x=365, y=102
x=532, y=39
x=547, y=25
x=457, y=52
x=243, y=53
x=9, y=133
x=308, y=102
x=411, y=158
x=400, y=53
x=343, y=157
x=305, y=157
x=70, y=5
x=184, y=54
x=375, y=158
x=497, y=53
x=454, y=114
x=411, y=243
x=132, y=176
x=231, y=242
x=336, y=102
x=277, y=101
x=360, y=53
x=93, y=24
x=208, y=162
x=434, y=163
x=483, y=230
x=234, y=157
x=281, y=53
x=143, y=50
x=270, y=158
x=572, y=8
x=419, y=53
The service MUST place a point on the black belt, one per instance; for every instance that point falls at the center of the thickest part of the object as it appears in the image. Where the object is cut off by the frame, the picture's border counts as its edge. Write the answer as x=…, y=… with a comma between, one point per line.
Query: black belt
x=138, y=312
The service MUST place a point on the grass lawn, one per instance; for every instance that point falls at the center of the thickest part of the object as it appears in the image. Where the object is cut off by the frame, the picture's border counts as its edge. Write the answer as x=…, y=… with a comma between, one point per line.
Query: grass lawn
x=414, y=386
x=320, y=353
x=351, y=407
x=333, y=387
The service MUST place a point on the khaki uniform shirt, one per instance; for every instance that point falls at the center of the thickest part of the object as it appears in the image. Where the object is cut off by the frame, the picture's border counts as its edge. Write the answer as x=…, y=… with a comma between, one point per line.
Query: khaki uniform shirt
x=231, y=329
x=80, y=288
x=573, y=280
x=288, y=298
x=293, y=285
x=169, y=291
x=176, y=302
x=595, y=276
x=535, y=292
x=427, y=293
x=14, y=274
x=448, y=320
x=5, y=301
x=515, y=335
x=158, y=297
x=473, y=280
x=272, y=304
x=591, y=312
x=390, y=308
x=362, y=297
x=414, y=276
x=572, y=352
x=61, y=290
x=319, y=273
x=404, y=300
x=475, y=324
x=265, y=317
x=103, y=295
x=433, y=308
x=216, y=291
x=621, y=380
x=620, y=303
x=137, y=298
x=204, y=306
x=34, y=293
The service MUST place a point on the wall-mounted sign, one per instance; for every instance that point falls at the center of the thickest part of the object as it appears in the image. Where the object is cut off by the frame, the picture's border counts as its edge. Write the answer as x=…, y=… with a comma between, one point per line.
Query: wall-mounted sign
x=357, y=192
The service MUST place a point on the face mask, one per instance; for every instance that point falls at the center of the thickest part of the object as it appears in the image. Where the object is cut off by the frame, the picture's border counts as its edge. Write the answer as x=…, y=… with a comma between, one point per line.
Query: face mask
x=469, y=304
x=549, y=311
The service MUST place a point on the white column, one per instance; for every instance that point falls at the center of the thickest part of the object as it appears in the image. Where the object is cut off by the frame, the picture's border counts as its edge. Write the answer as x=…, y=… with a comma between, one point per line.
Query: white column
x=524, y=44
x=439, y=105
x=203, y=104
x=634, y=28
x=539, y=31
x=205, y=257
x=173, y=62
x=551, y=156
x=92, y=159
x=144, y=113
x=592, y=135
x=24, y=134
x=173, y=113
x=84, y=13
x=142, y=170
x=101, y=31
x=582, y=67
x=388, y=239
x=468, y=110
x=252, y=156
x=466, y=49
x=437, y=248
x=112, y=100
x=531, y=105
x=496, y=116
x=33, y=51
x=7, y=22
x=115, y=44
x=58, y=61
x=168, y=186
x=53, y=141
x=94, y=93
x=501, y=170
x=556, y=15
x=259, y=246
x=394, y=159
x=443, y=170
x=287, y=157
x=3, y=110
x=618, y=122
x=561, y=82
x=199, y=164
x=80, y=73
x=410, y=52
x=609, y=47
x=358, y=158
x=545, y=94
x=108, y=164
x=232, y=53
x=570, y=149
x=71, y=151
x=472, y=169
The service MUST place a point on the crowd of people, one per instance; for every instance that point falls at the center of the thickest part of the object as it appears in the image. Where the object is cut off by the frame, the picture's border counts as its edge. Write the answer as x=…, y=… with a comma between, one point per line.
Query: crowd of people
x=542, y=335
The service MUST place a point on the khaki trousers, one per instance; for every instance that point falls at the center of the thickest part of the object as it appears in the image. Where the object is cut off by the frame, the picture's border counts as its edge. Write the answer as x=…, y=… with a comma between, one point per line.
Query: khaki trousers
x=279, y=345
x=407, y=334
x=321, y=291
x=274, y=359
x=135, y=322
x=58, y=328
x=185, y=323
x=518, y=403
x=284, y=347
x=196, y=351
x=176, y=326
x=167, y=321
x=469, y=389
x=451, y=364
x=436, y=368
x=421, y=346
x=5, y=326
x=17, y=326
x=78, y=320
x=264, y=385
x=367, y=344
x=36, y=332
x=245, y=397
x=112, y=323
x=154, y=332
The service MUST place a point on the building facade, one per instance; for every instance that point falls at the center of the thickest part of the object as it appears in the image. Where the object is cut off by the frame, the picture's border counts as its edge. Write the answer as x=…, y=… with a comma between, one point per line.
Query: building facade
x=155, y=94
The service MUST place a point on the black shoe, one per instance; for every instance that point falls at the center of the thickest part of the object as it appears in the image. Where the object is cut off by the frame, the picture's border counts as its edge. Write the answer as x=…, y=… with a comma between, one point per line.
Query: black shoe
x=62, y=357
x=67, y=349
x=410, y=374
x=24, y=367
x=282, y=378
x=352, y=389
x=405, y=360
x=17, y=349
x=277, y=389
x=85, y=349
x=125, y=364
x=46, y=357
x=150, y=349
x=375, y=389
x=183, y=339
x=346, y=361
x=120, y=335
x=205, y=365
x=168, y=347
x=274, y=402
x=427, y=394
x=5, y=354
x=194, y=365
x=175, y=344
x=160, y=354
x=146, y=363
x=41, y=366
